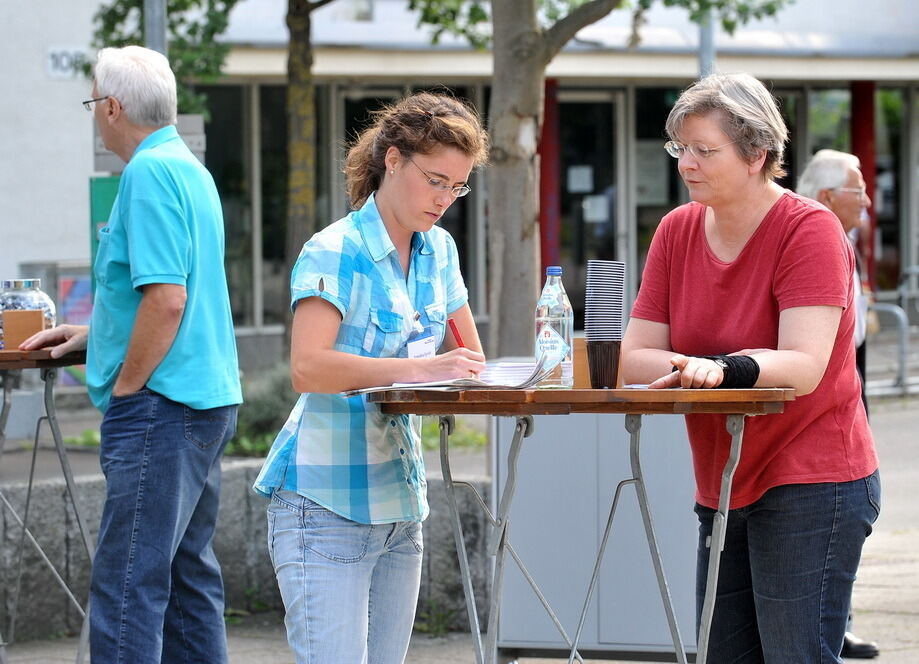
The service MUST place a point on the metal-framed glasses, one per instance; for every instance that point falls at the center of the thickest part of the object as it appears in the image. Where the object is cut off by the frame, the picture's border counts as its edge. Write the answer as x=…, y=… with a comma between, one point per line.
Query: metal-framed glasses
x=89, y=103
x=698, y=150
x=436, y=183
x=861, y=192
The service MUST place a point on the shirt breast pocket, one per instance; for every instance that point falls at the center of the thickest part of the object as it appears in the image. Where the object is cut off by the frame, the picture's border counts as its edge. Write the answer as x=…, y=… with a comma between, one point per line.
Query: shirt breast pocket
x=437, y=320
x=384, y=333
x=100, y=267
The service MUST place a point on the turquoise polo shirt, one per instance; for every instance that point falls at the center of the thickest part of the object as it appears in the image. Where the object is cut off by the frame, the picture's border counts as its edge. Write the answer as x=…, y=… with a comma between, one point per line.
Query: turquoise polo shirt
x=166, y=227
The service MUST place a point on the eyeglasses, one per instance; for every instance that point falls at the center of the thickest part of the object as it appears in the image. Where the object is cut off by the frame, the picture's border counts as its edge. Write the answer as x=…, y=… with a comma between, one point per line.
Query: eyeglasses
x=458, y=191
x=676, y=149
x=89, y=103
x=861, y=191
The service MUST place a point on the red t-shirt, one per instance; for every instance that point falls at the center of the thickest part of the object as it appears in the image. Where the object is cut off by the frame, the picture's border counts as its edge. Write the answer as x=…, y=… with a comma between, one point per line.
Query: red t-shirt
x=797, y=257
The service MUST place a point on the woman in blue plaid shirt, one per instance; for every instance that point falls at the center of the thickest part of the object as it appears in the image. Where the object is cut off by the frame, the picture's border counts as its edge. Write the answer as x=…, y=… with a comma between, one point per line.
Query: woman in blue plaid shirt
x=371, y=295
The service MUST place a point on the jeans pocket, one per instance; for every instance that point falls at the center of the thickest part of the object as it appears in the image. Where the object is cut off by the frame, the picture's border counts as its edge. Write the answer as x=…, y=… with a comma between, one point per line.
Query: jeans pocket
x=414, y=534
x=206, y=428
x=334, y=537
x=270, y=536
x=127, y=398
x=873, y=490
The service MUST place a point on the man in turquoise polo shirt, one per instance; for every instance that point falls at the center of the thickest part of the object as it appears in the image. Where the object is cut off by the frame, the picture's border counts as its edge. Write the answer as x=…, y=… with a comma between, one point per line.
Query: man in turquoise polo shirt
x=161, y=365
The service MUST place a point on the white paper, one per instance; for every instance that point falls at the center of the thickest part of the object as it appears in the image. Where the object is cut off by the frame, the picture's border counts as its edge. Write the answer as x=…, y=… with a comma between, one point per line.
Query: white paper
x=580, y=179
x=497, y=376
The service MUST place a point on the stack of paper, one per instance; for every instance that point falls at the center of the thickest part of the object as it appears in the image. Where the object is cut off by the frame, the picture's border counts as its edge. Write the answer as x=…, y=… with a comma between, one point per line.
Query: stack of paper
x=496, y=376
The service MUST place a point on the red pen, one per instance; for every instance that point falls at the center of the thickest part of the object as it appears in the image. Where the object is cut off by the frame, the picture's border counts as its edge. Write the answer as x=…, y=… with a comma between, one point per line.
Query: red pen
x=456, y=334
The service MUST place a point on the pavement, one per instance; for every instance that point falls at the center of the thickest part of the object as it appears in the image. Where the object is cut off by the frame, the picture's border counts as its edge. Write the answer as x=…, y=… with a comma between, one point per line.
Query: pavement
x=886, y=600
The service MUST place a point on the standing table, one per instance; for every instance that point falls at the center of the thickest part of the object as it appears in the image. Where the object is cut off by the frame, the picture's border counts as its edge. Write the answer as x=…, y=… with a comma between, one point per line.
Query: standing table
x=11, y=365
x=523, y=405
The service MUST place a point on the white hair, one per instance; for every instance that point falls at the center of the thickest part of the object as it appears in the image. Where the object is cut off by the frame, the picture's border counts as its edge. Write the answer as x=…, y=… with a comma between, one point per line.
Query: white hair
x=141, y=80
x=827, y=169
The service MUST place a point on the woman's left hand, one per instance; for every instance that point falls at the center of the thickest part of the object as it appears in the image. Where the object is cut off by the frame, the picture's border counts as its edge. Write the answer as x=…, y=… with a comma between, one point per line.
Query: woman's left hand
x=690, y=372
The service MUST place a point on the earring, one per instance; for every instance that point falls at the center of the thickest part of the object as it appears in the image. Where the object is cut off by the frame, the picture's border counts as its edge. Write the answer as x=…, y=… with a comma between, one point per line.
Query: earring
x=392, y=172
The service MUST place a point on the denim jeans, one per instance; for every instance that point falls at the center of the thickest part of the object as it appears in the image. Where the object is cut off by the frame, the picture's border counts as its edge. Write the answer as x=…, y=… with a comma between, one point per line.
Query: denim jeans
x=156, y=594
x=787, y=570
x=349, y=589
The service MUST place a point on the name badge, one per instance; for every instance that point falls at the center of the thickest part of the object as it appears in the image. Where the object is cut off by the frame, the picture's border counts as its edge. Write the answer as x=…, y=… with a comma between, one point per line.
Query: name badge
x=422, y=347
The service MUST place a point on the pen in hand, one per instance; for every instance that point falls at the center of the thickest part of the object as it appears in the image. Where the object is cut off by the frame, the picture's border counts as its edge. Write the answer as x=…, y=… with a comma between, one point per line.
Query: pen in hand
x=456, y=334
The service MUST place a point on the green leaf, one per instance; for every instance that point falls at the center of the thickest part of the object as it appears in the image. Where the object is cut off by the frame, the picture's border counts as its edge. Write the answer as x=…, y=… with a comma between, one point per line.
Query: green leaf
x=192, y=30
x=469, y=18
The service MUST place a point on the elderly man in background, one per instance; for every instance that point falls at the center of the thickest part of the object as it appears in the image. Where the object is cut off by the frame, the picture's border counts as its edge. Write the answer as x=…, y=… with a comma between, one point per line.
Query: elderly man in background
x=161, y=365
x=835, y=179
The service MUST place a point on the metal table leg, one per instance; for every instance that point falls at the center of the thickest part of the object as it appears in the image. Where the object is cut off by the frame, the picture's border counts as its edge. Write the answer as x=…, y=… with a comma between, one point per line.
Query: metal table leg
x=735, y=425
x=48, y=376
x=6, y=378
x=633, y=426
x=447, y=424
x=22, y=537
x=596, y=572
x=499, y=545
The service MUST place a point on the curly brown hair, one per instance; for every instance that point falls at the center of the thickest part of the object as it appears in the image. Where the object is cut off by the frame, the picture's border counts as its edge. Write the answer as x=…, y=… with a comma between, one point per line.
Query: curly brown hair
x=421, y=123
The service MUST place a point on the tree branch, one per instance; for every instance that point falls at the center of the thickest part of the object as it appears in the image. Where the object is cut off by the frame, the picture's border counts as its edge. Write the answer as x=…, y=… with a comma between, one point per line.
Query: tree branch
x=565, y=29
x=316, y=4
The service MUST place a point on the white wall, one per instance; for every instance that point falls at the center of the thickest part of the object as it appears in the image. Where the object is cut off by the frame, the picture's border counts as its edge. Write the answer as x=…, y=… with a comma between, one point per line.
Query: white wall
x=45, y=135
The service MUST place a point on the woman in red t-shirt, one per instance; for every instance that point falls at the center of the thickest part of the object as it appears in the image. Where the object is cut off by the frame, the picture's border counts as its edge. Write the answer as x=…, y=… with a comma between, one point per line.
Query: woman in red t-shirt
x=749, y=285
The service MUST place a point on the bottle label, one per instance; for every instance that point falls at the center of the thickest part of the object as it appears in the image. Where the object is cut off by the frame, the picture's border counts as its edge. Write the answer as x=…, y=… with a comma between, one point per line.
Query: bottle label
x=551, y=344
x=548, y=297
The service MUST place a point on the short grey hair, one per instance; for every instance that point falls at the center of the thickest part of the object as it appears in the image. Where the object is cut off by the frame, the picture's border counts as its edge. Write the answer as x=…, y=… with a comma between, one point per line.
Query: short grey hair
x=827, y=169
x=748, y=112
x=141, y=80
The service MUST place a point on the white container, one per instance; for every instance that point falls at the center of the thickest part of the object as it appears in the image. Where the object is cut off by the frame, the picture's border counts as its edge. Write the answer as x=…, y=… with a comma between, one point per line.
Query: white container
x=23, y=295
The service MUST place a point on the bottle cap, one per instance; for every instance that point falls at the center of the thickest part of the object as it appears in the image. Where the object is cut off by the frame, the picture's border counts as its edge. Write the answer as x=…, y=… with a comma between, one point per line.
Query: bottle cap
x=20, y=283
x=554, y=271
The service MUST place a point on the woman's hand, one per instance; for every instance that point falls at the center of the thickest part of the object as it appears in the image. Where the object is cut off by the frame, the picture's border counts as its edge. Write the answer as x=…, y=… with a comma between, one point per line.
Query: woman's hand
x=691, y=372
x=457, y=363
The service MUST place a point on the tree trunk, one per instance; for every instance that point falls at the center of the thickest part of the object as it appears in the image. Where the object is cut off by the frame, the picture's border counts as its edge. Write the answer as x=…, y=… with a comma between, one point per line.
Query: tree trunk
x=301, y=141
x=515, y=119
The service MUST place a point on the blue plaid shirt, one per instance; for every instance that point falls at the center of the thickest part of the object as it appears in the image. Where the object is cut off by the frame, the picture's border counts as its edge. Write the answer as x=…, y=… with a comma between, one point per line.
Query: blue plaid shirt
x=342, y=452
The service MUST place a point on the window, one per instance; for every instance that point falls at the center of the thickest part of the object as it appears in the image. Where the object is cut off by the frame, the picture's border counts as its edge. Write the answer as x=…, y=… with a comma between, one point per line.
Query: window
x=889, y=118
x=659, y=187
x=227, y=159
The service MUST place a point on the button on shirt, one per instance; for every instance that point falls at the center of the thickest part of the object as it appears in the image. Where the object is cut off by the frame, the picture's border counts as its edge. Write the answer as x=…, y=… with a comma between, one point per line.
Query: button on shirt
x=343, y=452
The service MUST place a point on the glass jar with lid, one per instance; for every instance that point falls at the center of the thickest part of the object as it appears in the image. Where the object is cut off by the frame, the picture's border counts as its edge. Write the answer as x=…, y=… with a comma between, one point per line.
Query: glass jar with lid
x=23, y=294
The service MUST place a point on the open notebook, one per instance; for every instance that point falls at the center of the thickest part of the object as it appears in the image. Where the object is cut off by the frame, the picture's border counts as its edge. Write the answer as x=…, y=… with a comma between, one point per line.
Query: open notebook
x=496, y=376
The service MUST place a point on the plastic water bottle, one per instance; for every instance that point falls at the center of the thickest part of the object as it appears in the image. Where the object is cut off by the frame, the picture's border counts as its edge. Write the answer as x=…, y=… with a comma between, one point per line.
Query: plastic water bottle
x=555, y=328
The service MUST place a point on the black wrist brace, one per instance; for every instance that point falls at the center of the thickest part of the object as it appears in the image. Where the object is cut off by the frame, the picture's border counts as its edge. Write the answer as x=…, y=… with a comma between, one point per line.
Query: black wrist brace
x=740, y=371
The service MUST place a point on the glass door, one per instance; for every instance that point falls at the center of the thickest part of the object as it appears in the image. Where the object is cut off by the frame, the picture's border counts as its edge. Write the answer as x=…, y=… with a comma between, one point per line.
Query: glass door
x=590, y=189
x=353, y=112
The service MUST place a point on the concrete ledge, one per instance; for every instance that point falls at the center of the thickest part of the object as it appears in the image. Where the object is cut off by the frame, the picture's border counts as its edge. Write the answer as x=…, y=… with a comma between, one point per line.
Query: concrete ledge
x=240, y=543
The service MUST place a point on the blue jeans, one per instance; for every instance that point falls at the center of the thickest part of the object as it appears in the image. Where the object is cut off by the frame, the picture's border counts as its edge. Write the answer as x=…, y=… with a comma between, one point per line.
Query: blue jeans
x=349, y=589
x=156, y=594
x=787, y=570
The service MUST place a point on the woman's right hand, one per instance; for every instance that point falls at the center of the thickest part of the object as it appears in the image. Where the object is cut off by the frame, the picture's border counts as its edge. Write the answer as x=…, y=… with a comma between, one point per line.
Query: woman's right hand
x=690, y=372
x=457, y=363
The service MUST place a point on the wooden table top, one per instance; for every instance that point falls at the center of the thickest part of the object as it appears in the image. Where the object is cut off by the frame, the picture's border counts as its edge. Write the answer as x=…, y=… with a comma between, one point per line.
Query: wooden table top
x=38, y=359
x=561, y=402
